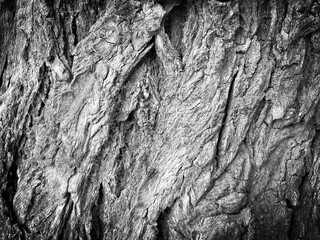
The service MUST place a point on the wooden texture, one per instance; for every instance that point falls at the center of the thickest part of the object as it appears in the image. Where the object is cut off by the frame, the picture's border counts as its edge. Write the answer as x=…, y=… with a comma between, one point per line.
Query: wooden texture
x=159, y=119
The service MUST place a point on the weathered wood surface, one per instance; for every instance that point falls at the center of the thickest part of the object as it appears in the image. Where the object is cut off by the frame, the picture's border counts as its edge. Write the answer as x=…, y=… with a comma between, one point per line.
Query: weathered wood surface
x=159, y=120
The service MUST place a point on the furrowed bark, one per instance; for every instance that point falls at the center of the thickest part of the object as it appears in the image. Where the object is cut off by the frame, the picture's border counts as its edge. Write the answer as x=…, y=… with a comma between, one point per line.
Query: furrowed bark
x=159, y=119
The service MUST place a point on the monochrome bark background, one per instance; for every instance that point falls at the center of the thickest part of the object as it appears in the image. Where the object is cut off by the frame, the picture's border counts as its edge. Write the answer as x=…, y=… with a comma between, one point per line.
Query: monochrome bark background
x=190, y=119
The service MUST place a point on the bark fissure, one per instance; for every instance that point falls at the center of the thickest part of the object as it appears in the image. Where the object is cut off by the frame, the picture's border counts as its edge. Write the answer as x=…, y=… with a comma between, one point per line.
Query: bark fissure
x=74, y=30
x=97, y=228
x=3, y=71
x=65, y=37
x=173, y=23
x=63, y=231
x=162, y=225
x=295, y=209
x=218, y=155
x=119, y=172
x=10, y=189
x=43, y=90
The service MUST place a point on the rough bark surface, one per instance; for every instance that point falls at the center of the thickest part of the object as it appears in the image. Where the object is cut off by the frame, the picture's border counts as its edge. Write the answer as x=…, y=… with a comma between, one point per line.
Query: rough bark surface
x=159, y=119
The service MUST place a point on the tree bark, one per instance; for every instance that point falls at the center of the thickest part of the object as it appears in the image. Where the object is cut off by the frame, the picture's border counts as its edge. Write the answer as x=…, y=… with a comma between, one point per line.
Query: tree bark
x=172, y=119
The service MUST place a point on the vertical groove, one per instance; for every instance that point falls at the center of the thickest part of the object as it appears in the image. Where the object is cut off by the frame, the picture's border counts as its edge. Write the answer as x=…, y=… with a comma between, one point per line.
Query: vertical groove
x=96, y=223
x=218, y=155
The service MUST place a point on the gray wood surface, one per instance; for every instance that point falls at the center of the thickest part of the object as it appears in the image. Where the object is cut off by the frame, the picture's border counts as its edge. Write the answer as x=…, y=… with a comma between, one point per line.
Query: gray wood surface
x=159, y=119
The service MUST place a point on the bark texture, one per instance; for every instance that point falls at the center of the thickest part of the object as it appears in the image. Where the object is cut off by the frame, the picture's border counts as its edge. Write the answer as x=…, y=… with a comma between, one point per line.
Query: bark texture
x=159, y=119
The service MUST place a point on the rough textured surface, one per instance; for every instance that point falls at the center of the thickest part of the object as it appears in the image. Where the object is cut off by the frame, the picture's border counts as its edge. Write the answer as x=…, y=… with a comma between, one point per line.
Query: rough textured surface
x=159, y=119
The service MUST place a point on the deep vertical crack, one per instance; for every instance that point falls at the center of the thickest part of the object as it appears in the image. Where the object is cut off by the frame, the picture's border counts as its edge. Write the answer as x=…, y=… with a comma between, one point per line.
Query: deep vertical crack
x=96, y=223
x=10, y=189
x=224, y=119
x=295, y=209
x=74, y=30
x=63, y=232
x=162, y=224
x=119, y=172
x=3, y=70
x=44, y=88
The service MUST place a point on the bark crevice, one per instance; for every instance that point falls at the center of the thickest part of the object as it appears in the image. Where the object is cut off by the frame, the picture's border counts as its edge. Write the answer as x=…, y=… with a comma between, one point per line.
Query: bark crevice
x=64, y=231
x=97, y=227
x=5, y=65
x=163, y=225
x=10, y=189
x=218, y=154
